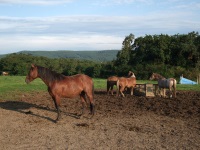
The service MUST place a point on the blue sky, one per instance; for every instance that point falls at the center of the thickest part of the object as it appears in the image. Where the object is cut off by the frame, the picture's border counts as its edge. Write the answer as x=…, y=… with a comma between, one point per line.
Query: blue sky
x=90, y=24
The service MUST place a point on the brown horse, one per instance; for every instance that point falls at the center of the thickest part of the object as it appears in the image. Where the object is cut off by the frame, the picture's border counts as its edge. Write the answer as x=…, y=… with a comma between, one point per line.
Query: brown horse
x=165, y=83
x=111, y=81
x=64, y=86
x=124, y=82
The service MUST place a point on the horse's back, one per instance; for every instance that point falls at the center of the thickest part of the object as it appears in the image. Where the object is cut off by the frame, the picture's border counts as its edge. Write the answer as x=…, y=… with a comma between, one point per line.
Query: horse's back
x=167, y=83
x=129, y=82
x=74, y=85
x=81, y=79
x=112, y=78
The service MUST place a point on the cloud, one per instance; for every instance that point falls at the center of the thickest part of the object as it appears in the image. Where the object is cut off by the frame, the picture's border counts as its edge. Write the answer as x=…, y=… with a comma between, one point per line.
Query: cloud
x=85, y=32
x=97, y=25
x=67, y=42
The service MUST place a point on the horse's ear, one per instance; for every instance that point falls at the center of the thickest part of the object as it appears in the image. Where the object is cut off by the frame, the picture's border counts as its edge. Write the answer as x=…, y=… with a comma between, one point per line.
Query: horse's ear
x=32, y=66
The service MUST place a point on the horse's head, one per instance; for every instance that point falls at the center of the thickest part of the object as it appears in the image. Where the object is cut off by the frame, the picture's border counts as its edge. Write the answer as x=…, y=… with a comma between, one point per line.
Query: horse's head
x=156, y=76
x=131, y=74
x=152, y=77
x=33, y=74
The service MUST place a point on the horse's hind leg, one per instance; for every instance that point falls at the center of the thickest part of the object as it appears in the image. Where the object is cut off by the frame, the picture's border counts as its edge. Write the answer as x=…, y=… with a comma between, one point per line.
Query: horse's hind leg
x=92, y=104
x=112, y=89
x=83, y=100
x=174, y=91
x=170, y=92
x=121, y=91
x=108, y=87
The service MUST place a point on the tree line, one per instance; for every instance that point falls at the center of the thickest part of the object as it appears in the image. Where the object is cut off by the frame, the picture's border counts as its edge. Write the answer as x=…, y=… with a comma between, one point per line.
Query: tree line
x=168, y=55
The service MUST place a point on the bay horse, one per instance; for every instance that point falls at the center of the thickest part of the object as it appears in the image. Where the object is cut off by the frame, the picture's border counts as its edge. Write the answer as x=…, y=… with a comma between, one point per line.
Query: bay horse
x=164, y=83
x=64, y=86
x=126, y=82
x=111, y=81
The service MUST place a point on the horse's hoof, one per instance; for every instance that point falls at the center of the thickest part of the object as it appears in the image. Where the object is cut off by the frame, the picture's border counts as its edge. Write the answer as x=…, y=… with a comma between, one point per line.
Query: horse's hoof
x=56, y=121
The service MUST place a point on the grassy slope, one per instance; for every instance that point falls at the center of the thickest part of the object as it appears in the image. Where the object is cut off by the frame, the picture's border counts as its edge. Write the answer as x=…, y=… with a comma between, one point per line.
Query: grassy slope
x=14, y=86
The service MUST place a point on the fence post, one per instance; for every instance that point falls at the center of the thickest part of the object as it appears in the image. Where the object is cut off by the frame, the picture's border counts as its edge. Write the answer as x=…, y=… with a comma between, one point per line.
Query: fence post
x=198, y=79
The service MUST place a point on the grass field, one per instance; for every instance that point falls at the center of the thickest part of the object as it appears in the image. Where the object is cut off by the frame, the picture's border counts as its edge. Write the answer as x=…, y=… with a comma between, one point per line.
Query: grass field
x=12, y=87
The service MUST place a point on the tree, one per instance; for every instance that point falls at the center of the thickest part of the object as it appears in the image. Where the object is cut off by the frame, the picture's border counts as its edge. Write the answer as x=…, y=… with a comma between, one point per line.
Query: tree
x=123, y=56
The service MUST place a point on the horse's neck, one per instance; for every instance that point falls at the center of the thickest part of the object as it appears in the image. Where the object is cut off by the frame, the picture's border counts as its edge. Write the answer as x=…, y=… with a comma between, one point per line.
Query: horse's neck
x=44, y=80
x=159, y=77
x=44, y=76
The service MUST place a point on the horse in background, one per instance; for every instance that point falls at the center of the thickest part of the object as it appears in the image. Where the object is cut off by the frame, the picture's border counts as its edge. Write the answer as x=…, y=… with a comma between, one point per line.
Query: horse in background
x=164, y=83
x=5, y=73
x=64, y=86
x=126, y=82
x=111, y=81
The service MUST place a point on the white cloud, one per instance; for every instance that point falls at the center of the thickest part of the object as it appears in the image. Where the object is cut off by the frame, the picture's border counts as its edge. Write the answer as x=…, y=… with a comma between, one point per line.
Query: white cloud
x=97, y=25
x=71, y=42
x=78, y=32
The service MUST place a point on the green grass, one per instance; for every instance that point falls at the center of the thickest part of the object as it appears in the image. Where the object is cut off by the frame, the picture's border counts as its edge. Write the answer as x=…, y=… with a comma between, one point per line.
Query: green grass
x=14, y=86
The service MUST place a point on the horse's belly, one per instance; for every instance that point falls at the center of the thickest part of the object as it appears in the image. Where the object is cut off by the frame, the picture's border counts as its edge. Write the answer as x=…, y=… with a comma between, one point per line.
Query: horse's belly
x=67, y=91
x=70, y=93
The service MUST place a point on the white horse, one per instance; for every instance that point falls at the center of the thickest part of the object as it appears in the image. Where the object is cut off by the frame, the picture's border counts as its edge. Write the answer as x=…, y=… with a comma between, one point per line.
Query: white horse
x=164, y=83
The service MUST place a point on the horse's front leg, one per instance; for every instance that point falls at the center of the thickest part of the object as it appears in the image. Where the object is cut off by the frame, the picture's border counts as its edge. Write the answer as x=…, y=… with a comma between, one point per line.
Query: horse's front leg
x=161, y=92
x=57, y=104
x=131, y=90
x=121, y=91
x=164, y=93
x=112, y=89
x=56, y=100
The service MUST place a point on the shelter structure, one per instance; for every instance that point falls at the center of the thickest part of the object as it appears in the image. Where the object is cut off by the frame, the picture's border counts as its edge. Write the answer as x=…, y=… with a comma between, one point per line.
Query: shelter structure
x=186, y=81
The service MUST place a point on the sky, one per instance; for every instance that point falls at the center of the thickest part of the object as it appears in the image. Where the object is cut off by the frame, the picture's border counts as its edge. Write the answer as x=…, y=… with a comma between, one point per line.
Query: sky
x=90, y=24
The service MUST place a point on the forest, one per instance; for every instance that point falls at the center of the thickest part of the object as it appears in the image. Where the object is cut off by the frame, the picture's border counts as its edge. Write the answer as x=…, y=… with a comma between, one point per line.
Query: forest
x=169, y=55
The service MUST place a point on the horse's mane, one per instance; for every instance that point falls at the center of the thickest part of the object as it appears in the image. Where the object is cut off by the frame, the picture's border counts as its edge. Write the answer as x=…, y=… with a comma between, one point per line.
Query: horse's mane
x=158, y=76
x=49, y=75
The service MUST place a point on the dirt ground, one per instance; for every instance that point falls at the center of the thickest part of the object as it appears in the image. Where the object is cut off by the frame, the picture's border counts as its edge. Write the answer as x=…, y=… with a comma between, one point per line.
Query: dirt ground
x=133, y=122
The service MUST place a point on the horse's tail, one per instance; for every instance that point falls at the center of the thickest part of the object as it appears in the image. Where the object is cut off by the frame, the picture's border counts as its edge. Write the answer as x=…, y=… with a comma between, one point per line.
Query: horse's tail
x=174, y=85
x=93, y=89
x=118, y=87
x=92, y=102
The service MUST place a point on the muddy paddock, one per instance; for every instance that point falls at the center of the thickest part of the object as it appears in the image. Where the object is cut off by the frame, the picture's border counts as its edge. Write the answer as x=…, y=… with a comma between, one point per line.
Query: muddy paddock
x=133, y=122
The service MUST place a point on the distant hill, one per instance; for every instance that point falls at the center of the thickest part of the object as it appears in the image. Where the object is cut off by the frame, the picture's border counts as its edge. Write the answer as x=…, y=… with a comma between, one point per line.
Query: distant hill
x=104, y=55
